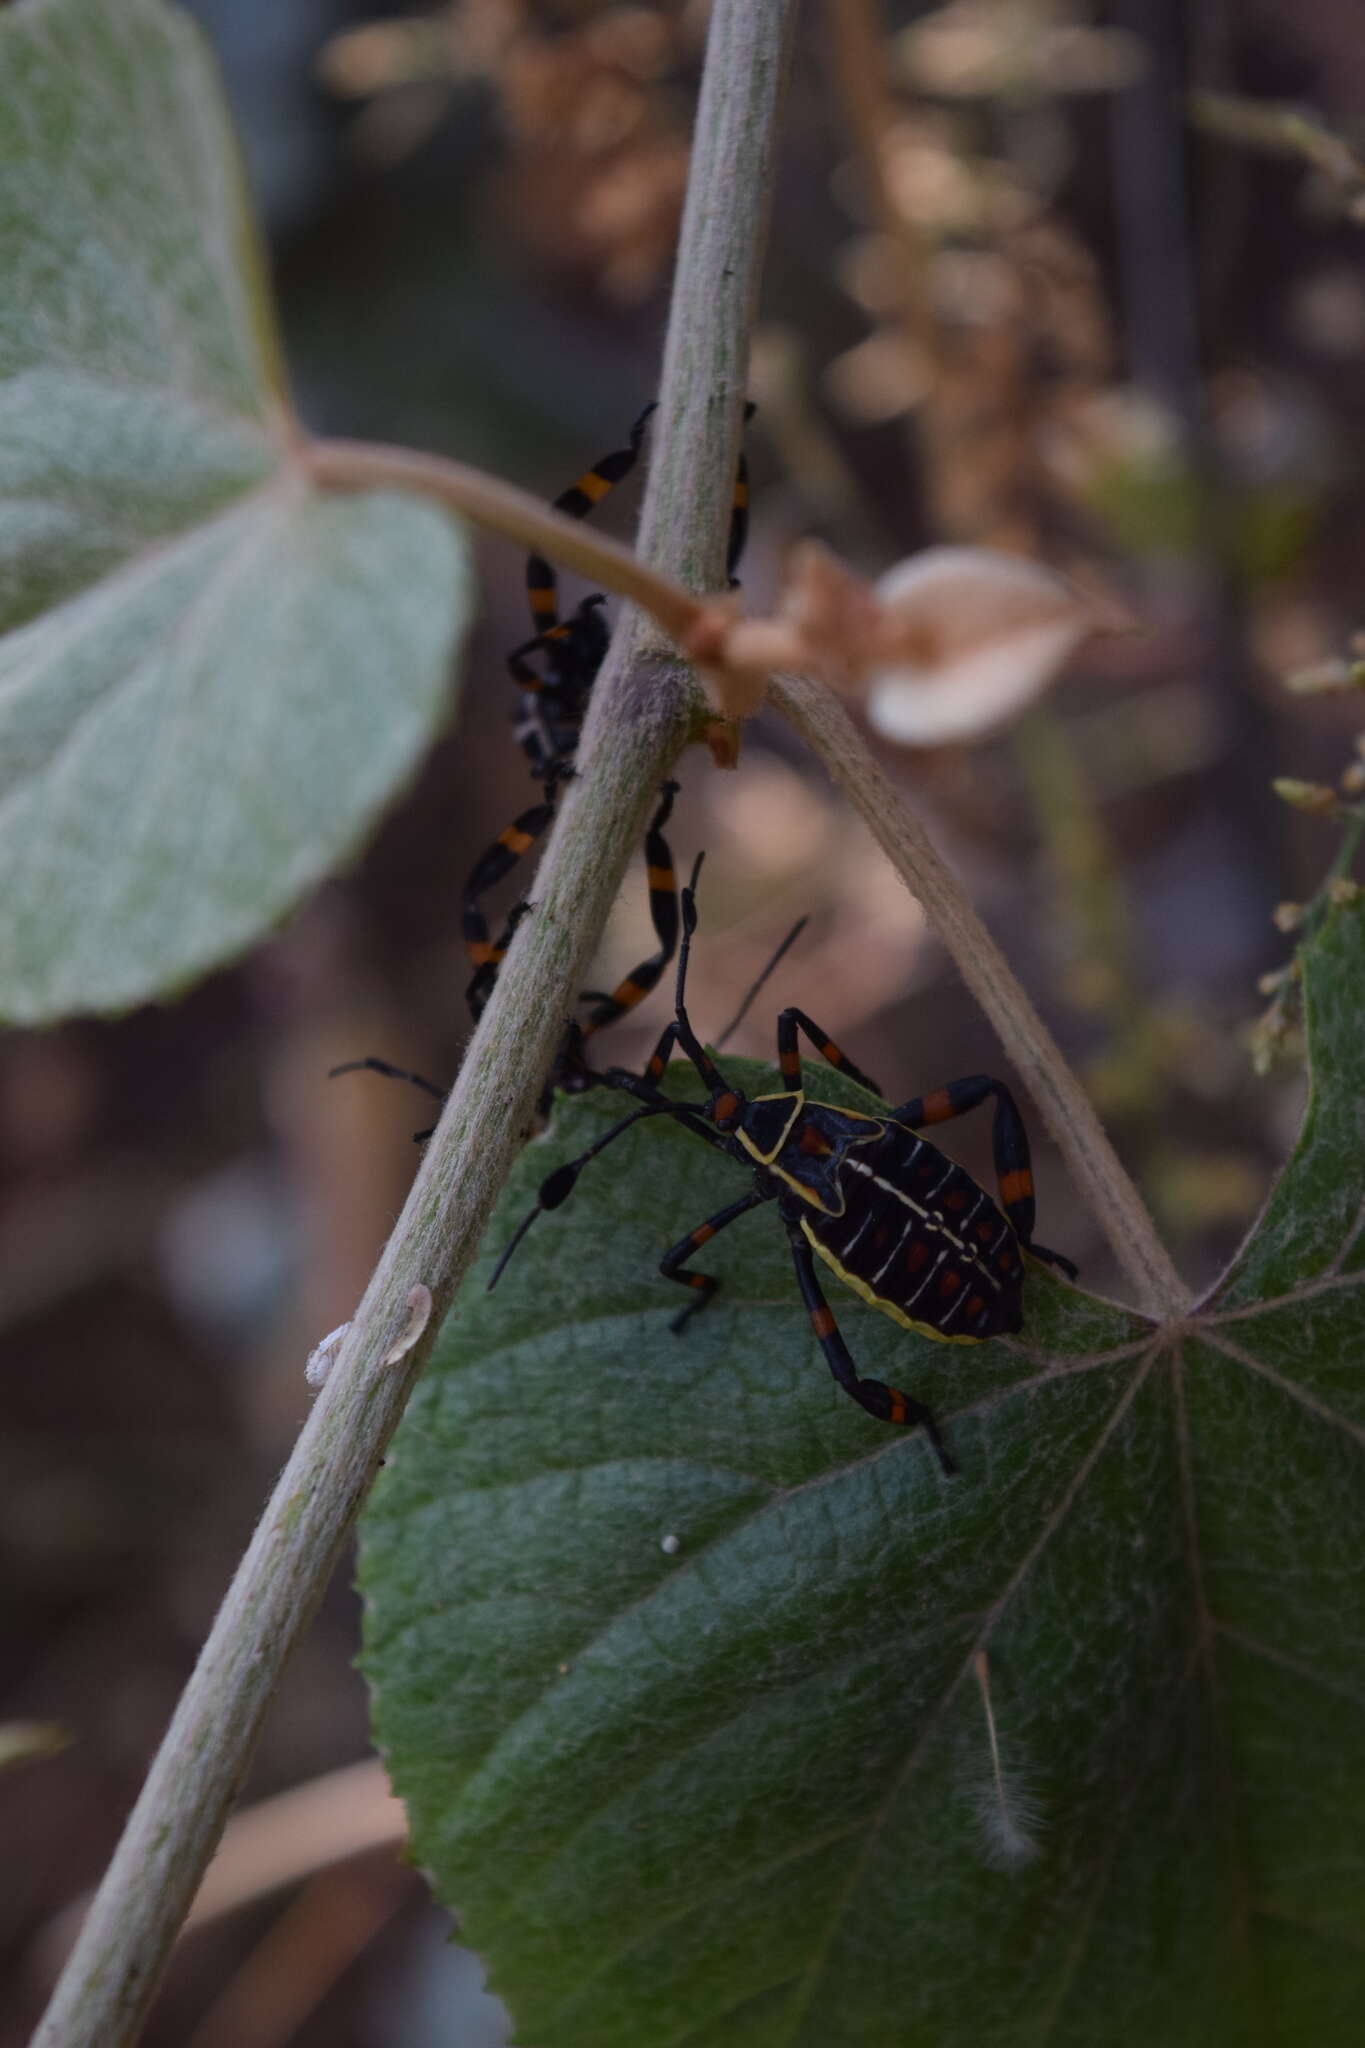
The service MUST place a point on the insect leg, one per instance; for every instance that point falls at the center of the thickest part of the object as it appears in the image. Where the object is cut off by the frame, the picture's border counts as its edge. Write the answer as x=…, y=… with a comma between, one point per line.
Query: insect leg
x=644, y=1087
x=739, y=510
x=1009, y=1140
x=646, y=1084
x=663, y=911
x=577, y=501
x=888, y=1404
x=792, y=1021
x=499, y=860
x=374, y=1066
x=672, y=1263
x=520, y=669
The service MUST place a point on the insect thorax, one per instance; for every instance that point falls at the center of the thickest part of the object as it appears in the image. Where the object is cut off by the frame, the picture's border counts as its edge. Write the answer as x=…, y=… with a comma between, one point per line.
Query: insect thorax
x=805, y=1144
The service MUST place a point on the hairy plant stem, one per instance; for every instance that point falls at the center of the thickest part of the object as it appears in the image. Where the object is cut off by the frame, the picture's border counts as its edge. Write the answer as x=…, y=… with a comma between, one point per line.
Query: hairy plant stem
x=641, y=712
x=1118, y=1208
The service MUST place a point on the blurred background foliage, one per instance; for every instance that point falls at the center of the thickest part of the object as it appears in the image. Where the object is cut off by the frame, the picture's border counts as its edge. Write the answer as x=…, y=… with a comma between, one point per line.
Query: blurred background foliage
x=1083, y=283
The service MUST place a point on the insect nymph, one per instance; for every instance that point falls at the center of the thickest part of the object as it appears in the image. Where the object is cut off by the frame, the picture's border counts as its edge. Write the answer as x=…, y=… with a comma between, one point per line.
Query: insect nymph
x=896, y=1221
x=554, y=704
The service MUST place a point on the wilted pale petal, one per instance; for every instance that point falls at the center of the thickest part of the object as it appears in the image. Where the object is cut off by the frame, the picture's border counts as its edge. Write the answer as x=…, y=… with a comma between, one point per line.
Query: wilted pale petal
x=966, y=639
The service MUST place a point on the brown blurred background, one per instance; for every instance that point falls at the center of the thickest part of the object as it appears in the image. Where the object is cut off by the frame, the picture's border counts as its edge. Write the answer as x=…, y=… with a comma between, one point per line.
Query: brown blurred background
x=1015, y=297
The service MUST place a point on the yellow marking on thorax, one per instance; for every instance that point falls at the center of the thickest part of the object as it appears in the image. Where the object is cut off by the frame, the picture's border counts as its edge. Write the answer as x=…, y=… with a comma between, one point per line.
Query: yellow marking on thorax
x=809, y=1196
x=798, y=1103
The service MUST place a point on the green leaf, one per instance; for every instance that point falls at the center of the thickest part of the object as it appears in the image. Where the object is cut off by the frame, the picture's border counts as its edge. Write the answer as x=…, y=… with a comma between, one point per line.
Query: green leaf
x=211, y=679
x=676, y=1653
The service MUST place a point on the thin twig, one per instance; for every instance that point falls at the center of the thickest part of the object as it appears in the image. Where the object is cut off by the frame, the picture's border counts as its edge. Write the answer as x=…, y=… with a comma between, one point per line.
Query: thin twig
x=641, y=708
x=829, y=732
x=537, y=527
x=1282, y=128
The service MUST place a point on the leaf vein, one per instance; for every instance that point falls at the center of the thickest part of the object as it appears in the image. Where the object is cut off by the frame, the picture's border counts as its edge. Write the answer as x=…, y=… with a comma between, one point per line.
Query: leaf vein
x=809, y=1981
x=1286, y=1386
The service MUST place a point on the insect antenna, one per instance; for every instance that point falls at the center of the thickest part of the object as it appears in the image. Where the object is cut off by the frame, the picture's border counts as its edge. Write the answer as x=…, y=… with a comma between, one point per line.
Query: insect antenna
x=742, y=1012
x=375, y=1066
x=559, y=1185
x=707, y=1070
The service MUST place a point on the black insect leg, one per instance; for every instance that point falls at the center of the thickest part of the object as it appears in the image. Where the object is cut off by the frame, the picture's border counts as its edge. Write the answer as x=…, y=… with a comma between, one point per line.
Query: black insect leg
x=789, y=1059
x=663, y=912
x=553, y=704
x=656, y=1066
x=739, y=510
x=502, y=856
x=577, y=501
x=645, y=1085
x=1009, y=1140
x=673, y=1262
x=888, y=1404
x=375, y=1066
x=645, y=1088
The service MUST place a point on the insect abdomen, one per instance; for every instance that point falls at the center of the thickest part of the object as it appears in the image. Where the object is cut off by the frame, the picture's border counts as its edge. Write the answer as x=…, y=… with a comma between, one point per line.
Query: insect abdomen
x=921, y=1241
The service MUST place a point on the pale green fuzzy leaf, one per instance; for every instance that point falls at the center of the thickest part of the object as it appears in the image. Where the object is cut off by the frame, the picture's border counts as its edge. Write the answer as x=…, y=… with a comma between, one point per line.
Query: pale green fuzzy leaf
x=211, y=681
x=674, y=1649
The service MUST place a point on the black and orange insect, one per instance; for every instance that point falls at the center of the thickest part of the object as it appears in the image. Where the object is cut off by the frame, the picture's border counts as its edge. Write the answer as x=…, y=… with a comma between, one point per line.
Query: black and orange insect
x=554, y=703
x=548, y=723
x=896, y=1221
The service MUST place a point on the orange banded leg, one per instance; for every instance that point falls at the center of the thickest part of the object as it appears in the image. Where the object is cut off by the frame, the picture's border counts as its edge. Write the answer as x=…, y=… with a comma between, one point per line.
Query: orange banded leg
x=789, y=1059
x=584, y=634
x=1009, y=1141
x=672, y=1263
x=520, y=669
x=887, y=1404
x=739, y=510
x=663, y=912
x=645, y=1088
x=656, y=1066
x=582, y=495
x=645, y=1085
x=507, y=849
